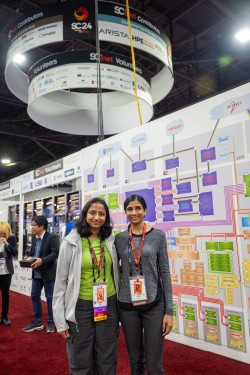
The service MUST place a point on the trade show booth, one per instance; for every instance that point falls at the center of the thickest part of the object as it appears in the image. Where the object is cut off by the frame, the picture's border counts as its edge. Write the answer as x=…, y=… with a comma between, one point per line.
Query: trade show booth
x=193, y=169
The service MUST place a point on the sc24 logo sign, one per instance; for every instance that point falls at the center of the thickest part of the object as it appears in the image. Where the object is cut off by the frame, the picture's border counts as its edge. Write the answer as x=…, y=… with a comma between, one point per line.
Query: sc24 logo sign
x=81, y=14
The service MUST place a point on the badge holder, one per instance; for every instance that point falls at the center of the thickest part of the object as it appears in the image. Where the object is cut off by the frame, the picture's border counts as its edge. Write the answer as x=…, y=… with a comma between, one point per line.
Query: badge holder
x=138, y=290
x=100, y=301
x=137, y=283
x=99, y=289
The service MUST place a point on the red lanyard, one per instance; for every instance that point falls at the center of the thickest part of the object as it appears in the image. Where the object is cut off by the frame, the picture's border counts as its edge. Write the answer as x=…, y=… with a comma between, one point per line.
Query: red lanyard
x=93, y=256
x=138, y=257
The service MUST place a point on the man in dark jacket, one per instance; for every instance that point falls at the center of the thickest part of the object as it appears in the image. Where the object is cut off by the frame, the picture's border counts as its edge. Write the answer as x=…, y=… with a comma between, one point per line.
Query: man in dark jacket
x=45, y=249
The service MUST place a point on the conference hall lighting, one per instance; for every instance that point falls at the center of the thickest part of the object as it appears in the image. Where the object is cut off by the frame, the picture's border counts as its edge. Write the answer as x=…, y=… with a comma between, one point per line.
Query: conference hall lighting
x=19, y=59
x=5, y=161
x=243, y=36
x=10, y=164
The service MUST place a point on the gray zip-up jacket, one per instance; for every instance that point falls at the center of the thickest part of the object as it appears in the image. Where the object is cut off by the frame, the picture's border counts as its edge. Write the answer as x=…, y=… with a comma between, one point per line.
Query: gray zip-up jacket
x=68, y=276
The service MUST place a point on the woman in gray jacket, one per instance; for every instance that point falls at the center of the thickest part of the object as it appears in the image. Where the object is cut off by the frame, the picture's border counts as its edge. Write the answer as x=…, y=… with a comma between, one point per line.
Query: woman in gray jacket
x=145, y=297
x=85, y=294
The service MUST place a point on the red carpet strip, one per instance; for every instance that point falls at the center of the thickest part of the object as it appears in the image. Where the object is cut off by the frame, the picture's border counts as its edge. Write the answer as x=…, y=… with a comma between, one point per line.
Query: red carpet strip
x=38, y=353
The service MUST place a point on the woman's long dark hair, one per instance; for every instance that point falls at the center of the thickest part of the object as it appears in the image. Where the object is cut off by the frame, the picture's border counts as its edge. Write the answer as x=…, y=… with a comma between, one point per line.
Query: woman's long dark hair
x=82, y=226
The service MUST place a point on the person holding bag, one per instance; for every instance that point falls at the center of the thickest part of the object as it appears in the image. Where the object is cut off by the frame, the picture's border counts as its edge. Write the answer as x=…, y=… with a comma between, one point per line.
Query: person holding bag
x=85, y=295
x=145, y=297
x=8, y=248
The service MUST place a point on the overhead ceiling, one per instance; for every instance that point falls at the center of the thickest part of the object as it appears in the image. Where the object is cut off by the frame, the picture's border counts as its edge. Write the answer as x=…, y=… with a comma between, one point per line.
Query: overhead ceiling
x=207, y=60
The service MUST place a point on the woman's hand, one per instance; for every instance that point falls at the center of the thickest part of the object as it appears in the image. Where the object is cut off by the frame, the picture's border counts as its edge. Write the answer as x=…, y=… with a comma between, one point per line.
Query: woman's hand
x=65, y=334
x=167, y=325
x=4, y=241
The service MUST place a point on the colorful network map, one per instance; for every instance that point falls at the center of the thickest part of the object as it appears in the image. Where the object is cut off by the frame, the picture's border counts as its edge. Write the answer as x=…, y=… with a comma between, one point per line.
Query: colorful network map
x=193, y=169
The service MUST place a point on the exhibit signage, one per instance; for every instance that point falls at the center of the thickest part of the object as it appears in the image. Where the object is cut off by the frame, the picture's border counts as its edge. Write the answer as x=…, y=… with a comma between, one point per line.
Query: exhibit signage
x=48, y=169
x=78, y=20
x=4, y=185
x=77, y=69
x=27, y=182
x=60, y=170
x=74, y=20
x=10, y=188
x=146, y=35
x=70, y=21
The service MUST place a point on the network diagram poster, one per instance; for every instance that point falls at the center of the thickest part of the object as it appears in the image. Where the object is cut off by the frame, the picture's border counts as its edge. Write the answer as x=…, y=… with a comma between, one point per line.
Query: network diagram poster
x=193, y=169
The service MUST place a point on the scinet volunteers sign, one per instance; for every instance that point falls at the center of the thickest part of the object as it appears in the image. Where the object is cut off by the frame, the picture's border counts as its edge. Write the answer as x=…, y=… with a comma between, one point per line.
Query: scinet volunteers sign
x=49, y=168
x=75, y=69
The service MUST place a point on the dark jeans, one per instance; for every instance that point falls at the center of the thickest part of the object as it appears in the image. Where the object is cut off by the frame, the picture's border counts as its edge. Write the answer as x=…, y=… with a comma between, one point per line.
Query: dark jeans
x=37, y=286
x=5, y=281
x=92, y=347
x=149, y=349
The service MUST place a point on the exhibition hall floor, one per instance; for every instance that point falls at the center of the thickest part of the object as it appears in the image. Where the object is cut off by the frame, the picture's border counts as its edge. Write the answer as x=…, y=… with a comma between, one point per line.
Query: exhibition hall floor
x=38, y=353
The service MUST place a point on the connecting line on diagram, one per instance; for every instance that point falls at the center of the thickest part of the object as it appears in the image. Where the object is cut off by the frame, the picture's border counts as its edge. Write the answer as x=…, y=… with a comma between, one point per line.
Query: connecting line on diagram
x=229, y=193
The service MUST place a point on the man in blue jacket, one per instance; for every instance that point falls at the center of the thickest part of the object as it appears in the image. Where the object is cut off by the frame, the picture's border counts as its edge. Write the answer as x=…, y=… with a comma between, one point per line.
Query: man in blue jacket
x=45, y=249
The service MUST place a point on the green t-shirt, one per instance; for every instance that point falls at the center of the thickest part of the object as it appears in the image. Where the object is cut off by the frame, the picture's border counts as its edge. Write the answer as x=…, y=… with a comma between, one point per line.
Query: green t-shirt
x=86, y=285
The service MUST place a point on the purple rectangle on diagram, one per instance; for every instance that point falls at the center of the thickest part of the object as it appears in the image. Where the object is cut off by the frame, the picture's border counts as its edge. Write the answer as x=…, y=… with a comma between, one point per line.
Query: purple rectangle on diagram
x=208, y=154
x=209, y=179
x=172, y=163
x=139, y=166
x=110, y=173
x=168, y=216
x=91, y=178
x=149, y=196
x=167, y=199
x=183, y=188
x=166, y=184
x=185, y=205
x=206, y=203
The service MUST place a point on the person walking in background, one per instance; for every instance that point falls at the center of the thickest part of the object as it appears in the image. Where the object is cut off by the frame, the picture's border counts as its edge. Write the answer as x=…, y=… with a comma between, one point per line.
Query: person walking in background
x=45, y=249
x=145, y=298
x=85, y=295
x=8, y=248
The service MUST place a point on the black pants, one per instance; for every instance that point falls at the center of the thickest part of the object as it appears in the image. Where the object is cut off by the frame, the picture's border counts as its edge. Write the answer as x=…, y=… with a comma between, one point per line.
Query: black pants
x=147, y=350
x=5, y=281
x=92, y=347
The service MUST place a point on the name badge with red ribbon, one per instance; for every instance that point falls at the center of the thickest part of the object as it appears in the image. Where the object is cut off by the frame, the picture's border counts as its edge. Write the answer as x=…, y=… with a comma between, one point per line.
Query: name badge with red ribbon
x=99, y=289
x=100, y=301
x=137, y=283
x=138, y=290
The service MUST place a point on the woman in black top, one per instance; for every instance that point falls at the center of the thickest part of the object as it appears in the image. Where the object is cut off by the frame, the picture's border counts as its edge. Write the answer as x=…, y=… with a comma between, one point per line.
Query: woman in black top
x=145, y=297
x=8, y=248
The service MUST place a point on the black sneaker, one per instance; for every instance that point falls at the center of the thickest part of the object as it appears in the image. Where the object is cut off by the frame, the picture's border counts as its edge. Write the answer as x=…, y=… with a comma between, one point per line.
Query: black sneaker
x=33, y=327
x=6, y=321
x=50, y=328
